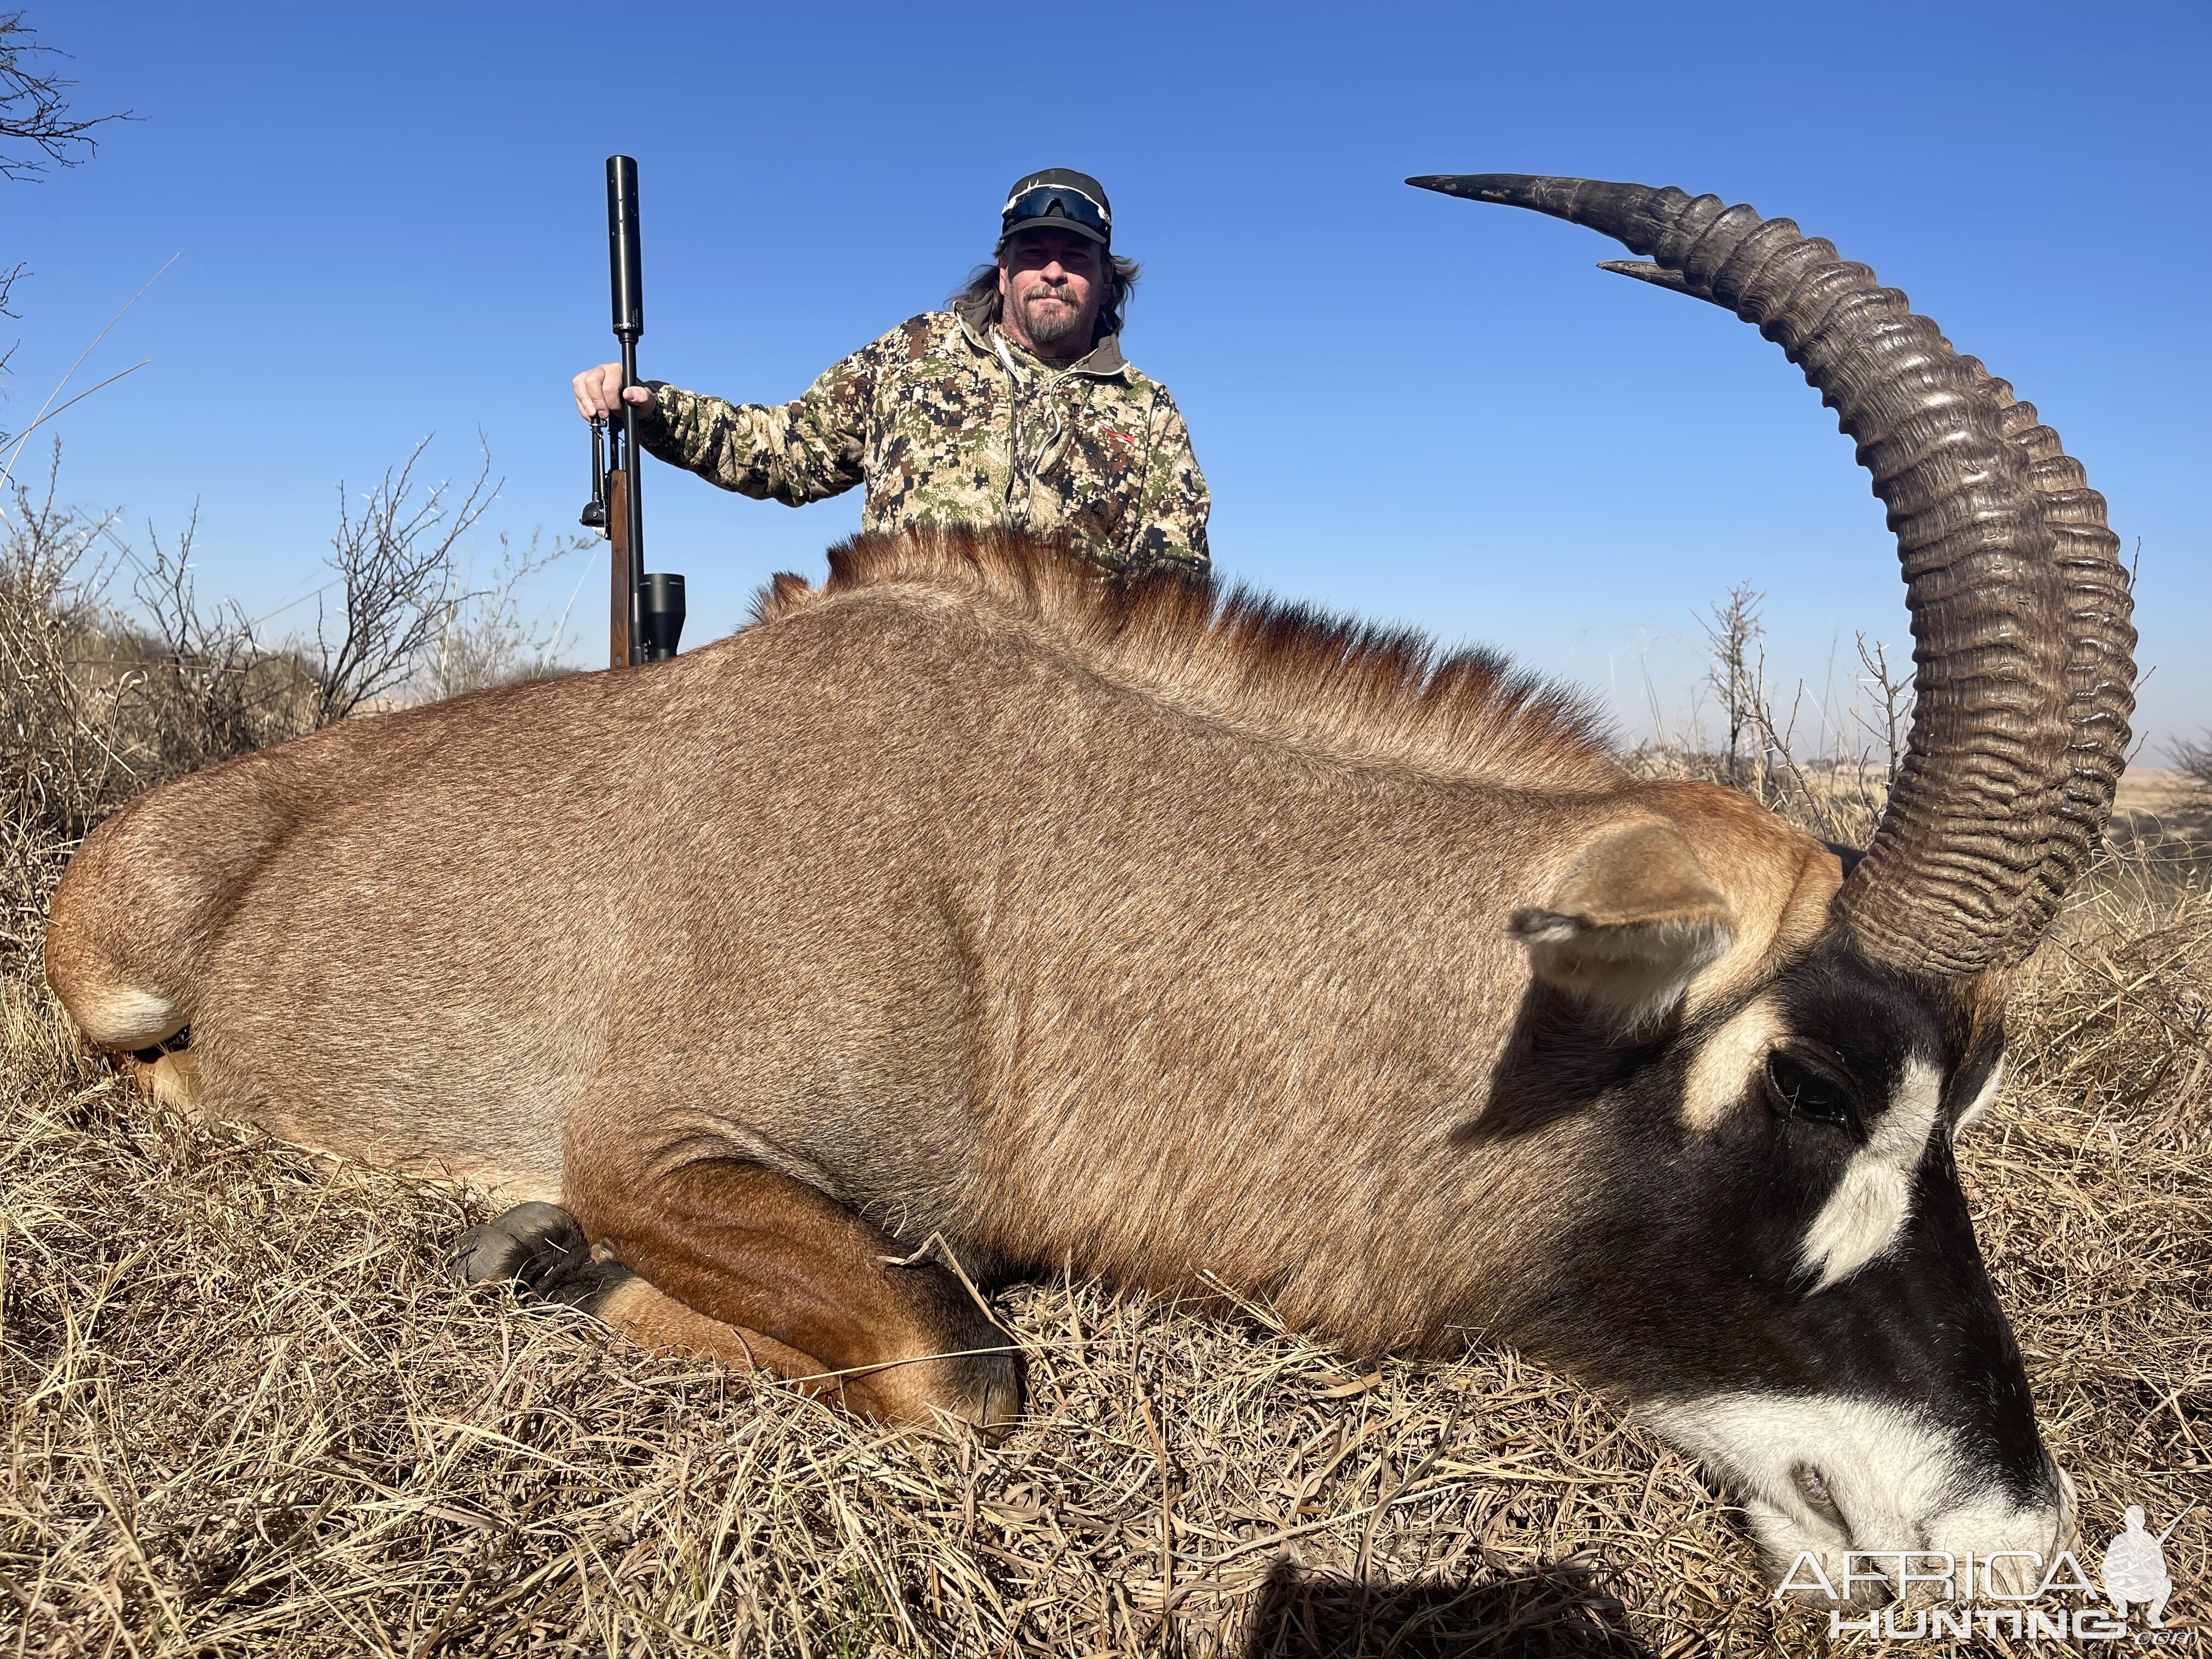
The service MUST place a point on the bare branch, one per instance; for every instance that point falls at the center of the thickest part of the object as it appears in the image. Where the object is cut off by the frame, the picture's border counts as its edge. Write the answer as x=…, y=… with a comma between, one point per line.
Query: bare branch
x=396, y=561
x=1732, y=632
x=1895, y=713
x=2194, y=757
x=34, y=111
x=8, y=278
x=484, y=636
x=223, y=691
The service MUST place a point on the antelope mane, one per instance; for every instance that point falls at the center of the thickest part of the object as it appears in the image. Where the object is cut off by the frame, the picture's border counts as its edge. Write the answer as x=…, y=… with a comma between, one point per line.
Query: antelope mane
x=1281, y=671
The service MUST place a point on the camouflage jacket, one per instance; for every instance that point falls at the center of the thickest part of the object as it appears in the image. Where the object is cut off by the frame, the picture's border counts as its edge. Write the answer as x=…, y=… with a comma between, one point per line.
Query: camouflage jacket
x=946, y=421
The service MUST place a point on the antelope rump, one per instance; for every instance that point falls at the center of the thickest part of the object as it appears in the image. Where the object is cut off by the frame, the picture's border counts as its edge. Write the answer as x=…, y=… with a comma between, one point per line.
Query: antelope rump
x=971, y=915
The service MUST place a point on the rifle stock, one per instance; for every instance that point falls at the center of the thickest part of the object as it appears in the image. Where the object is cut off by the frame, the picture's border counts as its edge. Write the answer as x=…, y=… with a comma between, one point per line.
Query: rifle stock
x=624, y=607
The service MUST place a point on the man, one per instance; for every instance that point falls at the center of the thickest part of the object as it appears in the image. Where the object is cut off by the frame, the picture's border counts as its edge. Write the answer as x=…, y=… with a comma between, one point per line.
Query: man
x=1016, y=406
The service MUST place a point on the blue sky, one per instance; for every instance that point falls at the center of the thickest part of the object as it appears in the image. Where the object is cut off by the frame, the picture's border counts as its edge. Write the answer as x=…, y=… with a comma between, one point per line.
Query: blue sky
x=390, y=224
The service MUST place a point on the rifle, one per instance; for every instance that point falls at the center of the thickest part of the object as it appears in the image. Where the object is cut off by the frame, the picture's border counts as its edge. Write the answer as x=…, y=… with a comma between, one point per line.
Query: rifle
x=646, y=613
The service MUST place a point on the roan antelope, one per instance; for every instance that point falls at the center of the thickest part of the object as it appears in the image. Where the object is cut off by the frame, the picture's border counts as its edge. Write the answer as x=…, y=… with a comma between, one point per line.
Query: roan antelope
x=1193, y=941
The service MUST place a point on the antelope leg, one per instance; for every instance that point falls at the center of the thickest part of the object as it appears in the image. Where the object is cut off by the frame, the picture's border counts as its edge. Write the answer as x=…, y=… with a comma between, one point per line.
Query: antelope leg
x=751, y=1247
x=541, y=1247
x=170, y=1079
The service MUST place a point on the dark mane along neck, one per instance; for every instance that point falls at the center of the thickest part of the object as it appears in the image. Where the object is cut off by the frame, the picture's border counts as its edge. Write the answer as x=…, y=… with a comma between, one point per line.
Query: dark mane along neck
x=1281, y=670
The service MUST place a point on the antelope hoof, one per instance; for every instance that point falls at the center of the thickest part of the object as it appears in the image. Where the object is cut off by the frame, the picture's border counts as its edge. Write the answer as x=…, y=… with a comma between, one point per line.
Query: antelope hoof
x=538, y=1245
x=988, y=1389
x=983, y=1390
x=166, y=1077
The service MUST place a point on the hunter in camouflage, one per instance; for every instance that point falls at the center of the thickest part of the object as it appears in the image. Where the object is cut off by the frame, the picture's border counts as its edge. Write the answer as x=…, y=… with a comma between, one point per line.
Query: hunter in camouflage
x=1004, y=410
x=948, y=422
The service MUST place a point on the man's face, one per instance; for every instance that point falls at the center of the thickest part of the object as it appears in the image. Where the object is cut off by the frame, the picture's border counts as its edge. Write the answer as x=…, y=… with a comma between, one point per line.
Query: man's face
x=1052, y=283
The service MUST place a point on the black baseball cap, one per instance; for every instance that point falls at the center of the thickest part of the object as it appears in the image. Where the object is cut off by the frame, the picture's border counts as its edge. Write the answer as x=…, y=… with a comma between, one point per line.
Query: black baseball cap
x=1059, y=198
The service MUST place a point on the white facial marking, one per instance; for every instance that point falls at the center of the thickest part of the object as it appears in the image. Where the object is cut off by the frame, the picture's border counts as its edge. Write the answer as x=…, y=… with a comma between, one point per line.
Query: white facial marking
x=1979, y=1107
x=123, y=1017
x=1868, y=1210
x=1897, y=1480
x=1723, y=1069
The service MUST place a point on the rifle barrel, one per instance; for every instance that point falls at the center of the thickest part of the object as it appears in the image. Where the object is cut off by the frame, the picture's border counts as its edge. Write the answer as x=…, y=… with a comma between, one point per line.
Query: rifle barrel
x=626, y=285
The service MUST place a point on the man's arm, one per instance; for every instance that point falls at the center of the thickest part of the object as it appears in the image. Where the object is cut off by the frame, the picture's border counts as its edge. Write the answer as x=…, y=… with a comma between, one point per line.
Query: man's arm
x=794, y=454
x=1173, y=501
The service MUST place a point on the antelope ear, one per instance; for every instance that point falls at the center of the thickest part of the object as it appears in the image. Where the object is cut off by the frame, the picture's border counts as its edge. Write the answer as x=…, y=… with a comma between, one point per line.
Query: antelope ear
x=1635, y=920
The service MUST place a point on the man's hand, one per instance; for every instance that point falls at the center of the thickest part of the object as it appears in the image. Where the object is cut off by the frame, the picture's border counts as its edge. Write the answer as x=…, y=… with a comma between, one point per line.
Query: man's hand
x=598, y=391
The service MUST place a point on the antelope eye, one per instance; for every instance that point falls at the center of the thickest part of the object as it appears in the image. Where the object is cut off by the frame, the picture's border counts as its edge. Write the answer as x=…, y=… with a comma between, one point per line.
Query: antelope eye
x=1796, y=1089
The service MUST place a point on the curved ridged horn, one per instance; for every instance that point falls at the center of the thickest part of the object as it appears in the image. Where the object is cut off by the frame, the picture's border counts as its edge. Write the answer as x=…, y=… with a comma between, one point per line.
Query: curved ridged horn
x=2023, y=671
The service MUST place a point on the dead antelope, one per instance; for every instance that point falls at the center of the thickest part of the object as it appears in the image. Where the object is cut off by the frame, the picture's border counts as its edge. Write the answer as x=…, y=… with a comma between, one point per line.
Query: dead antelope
x=1198, y=942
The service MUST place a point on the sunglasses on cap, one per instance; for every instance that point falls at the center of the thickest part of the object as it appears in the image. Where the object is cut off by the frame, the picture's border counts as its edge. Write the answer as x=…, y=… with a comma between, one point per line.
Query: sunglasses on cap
x=1053, y=207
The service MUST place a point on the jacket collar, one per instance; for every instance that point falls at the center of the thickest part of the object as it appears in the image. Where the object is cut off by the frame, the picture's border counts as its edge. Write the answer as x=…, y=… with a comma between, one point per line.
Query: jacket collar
x=1103, y=359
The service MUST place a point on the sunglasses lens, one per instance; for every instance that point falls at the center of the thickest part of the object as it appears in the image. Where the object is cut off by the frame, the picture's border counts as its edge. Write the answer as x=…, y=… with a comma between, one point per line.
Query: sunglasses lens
x=1054, y=203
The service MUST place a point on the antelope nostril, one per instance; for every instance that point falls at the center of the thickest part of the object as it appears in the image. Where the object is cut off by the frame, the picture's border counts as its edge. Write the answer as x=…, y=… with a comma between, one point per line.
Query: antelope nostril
x=1813, y=1487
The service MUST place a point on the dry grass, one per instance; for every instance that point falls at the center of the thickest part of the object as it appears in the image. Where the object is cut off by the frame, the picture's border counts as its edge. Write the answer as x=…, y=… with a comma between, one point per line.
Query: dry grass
x=244, y=1414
